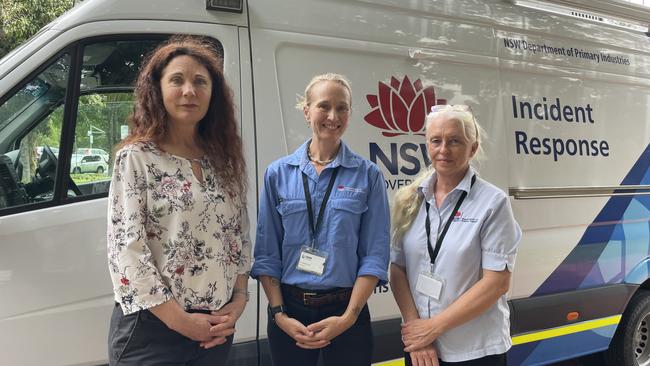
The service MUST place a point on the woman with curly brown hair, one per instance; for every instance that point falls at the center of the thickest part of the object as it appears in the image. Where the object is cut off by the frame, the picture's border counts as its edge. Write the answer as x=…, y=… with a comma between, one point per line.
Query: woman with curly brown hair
x=178, y=244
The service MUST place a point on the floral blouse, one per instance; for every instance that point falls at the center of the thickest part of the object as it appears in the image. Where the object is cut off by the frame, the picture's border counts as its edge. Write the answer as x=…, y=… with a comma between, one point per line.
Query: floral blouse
x=171, y=236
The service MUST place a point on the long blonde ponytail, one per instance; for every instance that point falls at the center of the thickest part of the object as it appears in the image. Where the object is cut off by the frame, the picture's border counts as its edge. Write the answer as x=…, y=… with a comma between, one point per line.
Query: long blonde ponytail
x=406, y=205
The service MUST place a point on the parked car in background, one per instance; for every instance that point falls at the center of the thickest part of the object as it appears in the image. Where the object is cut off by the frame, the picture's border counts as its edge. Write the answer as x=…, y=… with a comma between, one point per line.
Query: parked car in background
x=89, y=151
x=92, y=163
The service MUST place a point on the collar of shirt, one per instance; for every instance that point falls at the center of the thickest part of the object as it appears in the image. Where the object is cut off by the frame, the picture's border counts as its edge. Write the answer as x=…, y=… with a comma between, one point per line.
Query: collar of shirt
x=426, y=187
x=345, y=158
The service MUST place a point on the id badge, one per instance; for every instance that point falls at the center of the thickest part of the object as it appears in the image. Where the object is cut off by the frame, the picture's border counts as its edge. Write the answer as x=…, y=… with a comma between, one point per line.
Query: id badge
x=431, y=285
x=312, y=260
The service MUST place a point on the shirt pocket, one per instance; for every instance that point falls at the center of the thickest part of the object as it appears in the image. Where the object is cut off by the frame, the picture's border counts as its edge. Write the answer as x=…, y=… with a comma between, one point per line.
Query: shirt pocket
x=294, y=221
x=346, y=221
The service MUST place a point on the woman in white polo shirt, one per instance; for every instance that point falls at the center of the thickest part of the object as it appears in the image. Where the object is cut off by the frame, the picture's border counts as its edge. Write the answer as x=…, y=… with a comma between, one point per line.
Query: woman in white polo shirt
x=454, y=246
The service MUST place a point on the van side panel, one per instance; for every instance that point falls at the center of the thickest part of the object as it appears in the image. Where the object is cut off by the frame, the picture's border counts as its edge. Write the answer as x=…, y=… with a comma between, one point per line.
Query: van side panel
x=397, y=73
x=584, y=102
x=576, y=111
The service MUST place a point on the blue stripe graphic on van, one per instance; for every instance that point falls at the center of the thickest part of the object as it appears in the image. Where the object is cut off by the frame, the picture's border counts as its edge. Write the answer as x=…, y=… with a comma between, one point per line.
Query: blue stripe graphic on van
x=615, y=246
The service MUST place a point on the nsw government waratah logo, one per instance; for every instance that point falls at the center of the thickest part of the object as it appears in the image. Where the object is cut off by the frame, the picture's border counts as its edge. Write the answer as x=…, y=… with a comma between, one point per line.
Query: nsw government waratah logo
x=401, y=107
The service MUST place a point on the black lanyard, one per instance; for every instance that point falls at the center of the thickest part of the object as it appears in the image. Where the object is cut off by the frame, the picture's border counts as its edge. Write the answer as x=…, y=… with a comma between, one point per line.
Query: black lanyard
x=310, y=210
x=433, y=254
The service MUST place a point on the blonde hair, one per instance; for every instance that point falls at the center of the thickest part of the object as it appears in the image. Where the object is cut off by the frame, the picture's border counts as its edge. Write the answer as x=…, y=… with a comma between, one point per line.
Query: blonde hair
x=406, y=204
x=305, y=100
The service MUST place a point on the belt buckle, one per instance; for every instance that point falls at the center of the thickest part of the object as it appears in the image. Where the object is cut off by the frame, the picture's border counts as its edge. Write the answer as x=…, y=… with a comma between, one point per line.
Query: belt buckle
x=305, y=297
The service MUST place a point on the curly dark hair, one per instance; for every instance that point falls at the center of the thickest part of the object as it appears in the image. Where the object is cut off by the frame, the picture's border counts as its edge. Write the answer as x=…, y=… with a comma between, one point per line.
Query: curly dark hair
x=217, y=133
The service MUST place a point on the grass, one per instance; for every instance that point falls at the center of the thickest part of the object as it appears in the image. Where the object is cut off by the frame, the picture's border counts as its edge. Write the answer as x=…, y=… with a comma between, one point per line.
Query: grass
x=88, y=177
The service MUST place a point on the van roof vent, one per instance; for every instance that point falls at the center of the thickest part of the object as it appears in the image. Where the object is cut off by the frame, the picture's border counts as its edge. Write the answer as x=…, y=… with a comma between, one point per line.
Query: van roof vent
x=587, y=16
x=613, y=12
x=235, y=6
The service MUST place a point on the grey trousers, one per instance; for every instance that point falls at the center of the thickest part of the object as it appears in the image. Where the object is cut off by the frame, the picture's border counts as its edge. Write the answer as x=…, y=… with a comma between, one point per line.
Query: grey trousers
x=142, y=339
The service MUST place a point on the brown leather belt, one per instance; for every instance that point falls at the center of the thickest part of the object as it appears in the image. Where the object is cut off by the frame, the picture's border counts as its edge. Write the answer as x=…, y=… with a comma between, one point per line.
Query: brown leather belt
x=317, y=298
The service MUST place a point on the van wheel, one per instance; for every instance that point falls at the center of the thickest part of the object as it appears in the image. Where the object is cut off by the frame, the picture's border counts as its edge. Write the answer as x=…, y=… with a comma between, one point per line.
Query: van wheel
x=100, y=170
x=631, y=343
x=76, y=170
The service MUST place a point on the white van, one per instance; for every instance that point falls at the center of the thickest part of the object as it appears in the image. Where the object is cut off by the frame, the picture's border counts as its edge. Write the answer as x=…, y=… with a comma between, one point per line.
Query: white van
x=565, y=100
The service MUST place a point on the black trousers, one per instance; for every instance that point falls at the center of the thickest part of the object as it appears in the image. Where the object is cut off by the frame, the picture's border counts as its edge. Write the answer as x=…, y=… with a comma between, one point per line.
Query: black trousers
x=352, y=347
x=141, y=339
x=491, y=360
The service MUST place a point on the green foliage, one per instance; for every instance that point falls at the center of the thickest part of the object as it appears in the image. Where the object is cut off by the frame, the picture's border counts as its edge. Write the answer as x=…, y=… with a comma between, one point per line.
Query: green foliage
x=49, y=133
x=88, y=177
x=103, y=114
x=21, y=19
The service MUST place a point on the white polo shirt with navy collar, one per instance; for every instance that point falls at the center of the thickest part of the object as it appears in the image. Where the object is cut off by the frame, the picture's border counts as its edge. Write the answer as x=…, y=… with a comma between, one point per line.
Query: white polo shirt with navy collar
x=483, y=235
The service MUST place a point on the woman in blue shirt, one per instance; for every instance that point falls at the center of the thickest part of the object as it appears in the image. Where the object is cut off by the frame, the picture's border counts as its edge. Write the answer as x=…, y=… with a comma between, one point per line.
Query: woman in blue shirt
x=322, y=239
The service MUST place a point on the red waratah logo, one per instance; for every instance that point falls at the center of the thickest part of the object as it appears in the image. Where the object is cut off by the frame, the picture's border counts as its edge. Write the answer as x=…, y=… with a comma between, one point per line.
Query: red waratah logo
x=400, y=108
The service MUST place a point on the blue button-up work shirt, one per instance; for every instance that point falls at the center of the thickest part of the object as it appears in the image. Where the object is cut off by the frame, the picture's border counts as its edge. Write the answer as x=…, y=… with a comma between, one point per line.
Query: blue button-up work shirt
x=355, y=231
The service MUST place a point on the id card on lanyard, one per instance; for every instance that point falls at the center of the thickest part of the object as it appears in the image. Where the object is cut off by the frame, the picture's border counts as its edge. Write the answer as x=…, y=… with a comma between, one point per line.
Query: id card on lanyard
x=311, y=259
x=429, y=283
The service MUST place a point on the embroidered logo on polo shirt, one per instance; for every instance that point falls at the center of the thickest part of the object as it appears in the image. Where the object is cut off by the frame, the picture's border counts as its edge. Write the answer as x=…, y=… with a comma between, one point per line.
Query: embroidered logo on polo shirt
x=342, y=188
x=459, y=218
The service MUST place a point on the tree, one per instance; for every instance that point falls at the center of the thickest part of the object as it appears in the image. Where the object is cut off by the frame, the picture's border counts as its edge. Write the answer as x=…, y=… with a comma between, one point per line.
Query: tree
x=21, y=19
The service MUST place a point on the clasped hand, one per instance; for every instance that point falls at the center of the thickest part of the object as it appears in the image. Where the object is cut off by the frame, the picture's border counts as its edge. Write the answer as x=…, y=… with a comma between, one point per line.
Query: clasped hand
x=316, y=335
x=418, y=336
x=212, y=329
x=419, y=333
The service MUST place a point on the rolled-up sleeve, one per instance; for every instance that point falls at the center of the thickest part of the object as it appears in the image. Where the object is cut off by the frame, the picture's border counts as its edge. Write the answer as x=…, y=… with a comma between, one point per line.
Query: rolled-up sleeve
x=137, y=283
x=500, y=236
x=268, y=242
x=374, y=236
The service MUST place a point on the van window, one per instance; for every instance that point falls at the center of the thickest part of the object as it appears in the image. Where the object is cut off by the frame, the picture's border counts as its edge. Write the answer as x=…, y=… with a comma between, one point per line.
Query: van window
x=108, y=74
x=31, y=121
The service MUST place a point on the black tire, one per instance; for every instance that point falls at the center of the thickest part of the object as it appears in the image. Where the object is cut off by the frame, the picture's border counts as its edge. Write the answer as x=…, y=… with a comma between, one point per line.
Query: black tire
x=100, y=170
x=631, y=343
x=76, y=170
